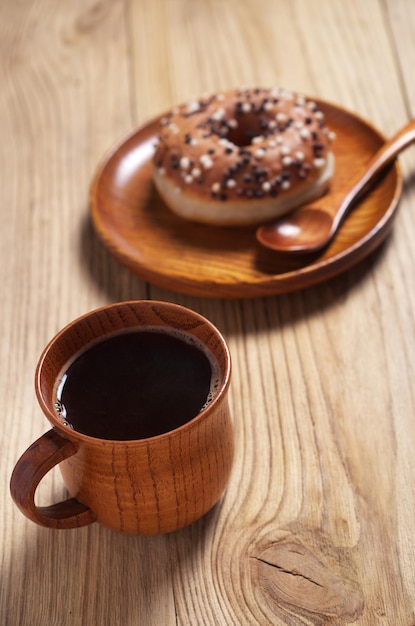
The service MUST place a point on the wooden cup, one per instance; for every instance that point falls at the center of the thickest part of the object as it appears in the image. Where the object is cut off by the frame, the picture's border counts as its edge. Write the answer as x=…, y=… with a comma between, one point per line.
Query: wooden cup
x=147, y=486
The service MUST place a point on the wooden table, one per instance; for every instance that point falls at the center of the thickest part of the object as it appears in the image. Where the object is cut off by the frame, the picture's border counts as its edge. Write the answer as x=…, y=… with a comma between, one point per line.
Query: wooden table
x=316, y=526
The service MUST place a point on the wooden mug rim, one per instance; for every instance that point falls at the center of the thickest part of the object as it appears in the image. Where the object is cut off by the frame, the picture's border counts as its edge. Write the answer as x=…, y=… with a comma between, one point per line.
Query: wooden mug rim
x=77, y=436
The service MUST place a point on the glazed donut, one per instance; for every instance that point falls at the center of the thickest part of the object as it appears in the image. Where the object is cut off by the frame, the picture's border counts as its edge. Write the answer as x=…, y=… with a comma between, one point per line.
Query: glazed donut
x=243, y=156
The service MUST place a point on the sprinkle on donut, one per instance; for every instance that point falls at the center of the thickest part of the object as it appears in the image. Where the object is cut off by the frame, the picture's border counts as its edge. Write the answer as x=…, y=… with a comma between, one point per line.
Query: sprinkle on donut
x=242, y=145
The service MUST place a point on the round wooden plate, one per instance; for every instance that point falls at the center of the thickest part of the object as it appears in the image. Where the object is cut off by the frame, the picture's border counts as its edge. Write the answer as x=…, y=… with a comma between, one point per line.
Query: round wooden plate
x=143, y=235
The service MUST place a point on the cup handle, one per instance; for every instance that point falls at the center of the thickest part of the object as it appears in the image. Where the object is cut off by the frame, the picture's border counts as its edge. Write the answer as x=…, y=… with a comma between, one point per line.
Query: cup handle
x=49, y=450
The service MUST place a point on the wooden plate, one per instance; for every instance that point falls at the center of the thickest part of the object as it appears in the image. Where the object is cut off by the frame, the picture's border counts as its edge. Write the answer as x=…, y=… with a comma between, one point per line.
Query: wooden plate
x=219, y=262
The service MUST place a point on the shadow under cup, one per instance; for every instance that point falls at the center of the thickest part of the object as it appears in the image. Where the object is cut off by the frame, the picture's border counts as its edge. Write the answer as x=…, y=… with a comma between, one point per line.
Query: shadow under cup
x=142, y=486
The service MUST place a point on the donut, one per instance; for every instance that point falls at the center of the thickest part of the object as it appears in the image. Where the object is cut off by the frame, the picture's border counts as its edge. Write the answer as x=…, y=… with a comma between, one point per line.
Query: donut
x=243, y=156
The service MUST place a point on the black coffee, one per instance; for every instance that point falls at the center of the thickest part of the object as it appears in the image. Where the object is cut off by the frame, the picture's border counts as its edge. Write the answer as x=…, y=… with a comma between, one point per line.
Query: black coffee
x=134, y=385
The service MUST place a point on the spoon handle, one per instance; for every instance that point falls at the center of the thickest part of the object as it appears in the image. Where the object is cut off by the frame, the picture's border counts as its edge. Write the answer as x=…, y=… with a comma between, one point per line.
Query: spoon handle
x=390, y=149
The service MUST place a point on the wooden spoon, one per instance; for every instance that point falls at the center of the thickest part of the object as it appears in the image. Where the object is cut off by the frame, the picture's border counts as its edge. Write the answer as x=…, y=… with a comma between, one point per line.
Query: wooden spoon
x=312, y=226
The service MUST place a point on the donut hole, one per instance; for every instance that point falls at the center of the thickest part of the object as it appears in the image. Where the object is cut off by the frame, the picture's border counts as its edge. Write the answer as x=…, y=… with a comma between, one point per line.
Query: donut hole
x=249, y=127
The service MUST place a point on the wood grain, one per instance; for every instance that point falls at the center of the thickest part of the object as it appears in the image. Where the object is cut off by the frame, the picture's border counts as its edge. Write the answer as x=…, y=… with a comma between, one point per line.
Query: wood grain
x=322, y=393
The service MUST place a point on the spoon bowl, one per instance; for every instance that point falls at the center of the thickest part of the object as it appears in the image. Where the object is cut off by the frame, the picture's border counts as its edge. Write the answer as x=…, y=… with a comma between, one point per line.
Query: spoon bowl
x=311, y=227
x=305, y=230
